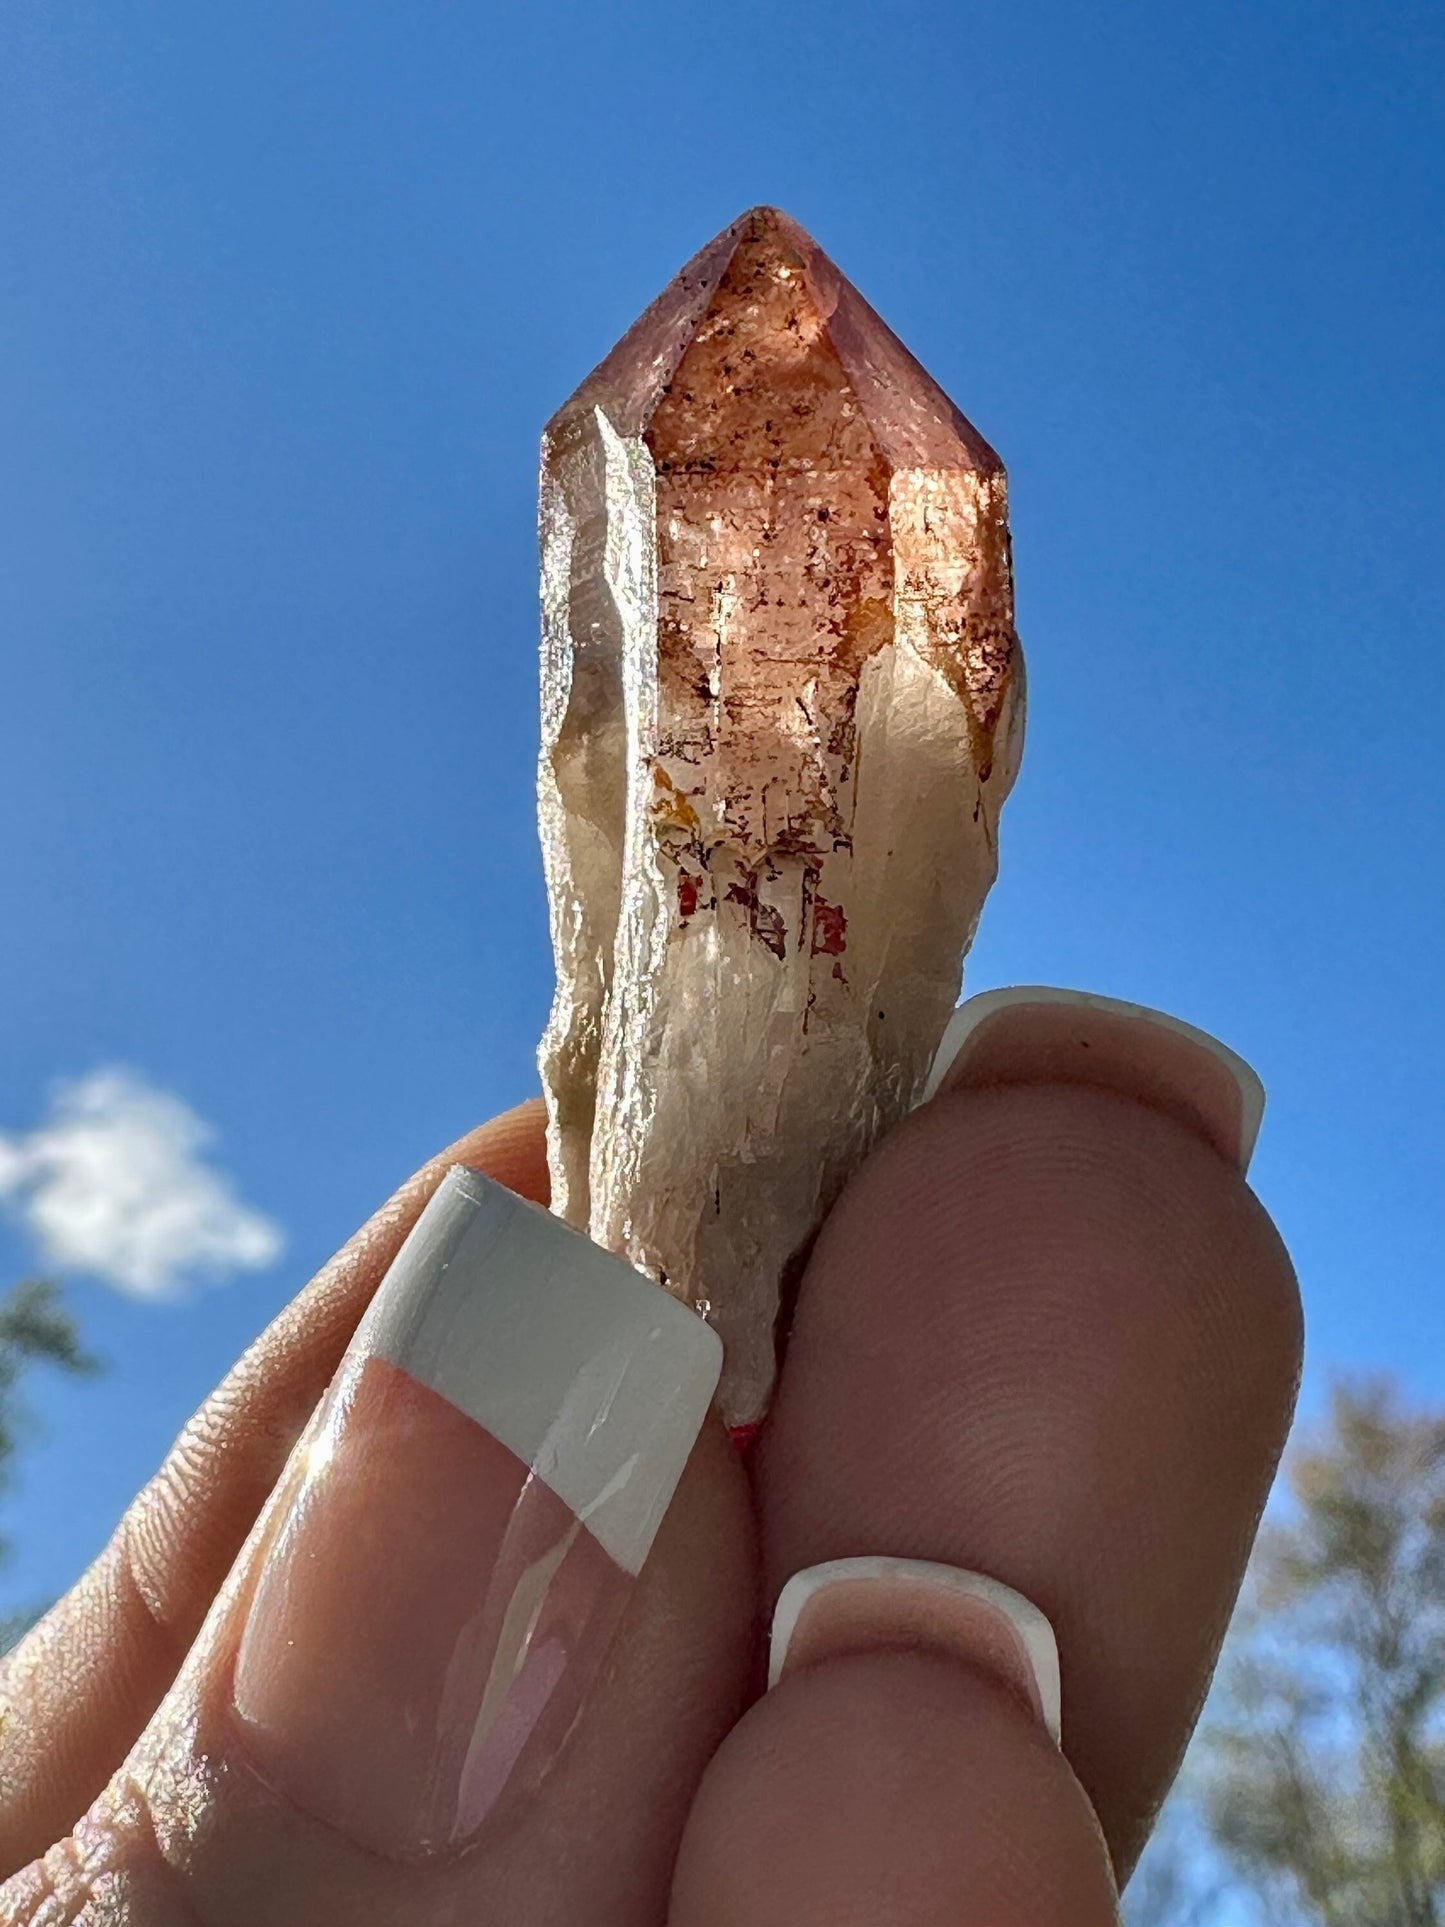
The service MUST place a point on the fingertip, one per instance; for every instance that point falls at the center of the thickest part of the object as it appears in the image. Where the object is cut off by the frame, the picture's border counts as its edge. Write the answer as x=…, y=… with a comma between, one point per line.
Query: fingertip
x=892, y=1785
x=876, y=1601
x=1039, y=1034
x=512, y=1148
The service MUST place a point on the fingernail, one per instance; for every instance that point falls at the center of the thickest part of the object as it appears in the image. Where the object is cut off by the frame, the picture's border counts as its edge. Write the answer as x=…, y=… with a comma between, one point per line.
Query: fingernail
x=1033, y=1035
x=861, y=1605
x=498, y=1449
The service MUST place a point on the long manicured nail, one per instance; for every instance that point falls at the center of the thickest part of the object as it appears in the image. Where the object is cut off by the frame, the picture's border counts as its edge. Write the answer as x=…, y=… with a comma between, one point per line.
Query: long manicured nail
x=498, y=1449
x=859, y=1605
x=1034, y=1035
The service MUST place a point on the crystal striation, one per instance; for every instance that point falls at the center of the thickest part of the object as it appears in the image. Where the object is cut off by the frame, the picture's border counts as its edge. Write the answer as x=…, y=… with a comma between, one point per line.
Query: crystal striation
x=782, y=701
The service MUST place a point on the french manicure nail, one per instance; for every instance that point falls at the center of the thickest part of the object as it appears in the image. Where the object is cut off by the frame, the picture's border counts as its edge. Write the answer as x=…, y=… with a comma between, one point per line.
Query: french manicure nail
x=496, y=1454
x=863, y=1604
x=1031, y=1034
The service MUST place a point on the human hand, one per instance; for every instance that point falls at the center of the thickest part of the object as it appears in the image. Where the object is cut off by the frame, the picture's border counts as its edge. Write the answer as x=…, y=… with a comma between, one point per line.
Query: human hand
x=1048, y=1336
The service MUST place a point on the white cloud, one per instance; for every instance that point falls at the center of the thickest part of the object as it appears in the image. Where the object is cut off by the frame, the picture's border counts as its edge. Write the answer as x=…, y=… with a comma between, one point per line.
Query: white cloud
x=114, y=1183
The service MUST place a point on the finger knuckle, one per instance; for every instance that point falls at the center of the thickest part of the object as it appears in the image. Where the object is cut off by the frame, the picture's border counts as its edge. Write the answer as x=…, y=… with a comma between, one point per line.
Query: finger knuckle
x=108, y=1873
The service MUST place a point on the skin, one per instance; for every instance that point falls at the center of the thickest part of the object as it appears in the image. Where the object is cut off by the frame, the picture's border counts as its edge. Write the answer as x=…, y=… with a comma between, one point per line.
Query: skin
x=1048, y=1334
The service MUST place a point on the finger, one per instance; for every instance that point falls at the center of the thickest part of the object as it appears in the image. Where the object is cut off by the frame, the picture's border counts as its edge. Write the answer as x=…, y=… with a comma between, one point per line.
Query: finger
x=81, y=1686
x=406, y=1704
x=1049, y=1336
x=891, y=1787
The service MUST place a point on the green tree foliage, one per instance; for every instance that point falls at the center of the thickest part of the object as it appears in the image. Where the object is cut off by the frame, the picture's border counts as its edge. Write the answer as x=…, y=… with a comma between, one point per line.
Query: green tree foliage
x=1323, y=1786
x=35, y=1328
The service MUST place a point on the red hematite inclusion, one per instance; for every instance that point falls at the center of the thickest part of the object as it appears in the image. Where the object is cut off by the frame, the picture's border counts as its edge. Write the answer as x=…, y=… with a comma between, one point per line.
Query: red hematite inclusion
x=779, y=672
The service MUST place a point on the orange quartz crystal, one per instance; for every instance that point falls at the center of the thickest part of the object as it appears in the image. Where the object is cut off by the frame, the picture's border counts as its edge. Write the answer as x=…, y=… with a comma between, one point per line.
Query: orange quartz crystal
x=782, y=704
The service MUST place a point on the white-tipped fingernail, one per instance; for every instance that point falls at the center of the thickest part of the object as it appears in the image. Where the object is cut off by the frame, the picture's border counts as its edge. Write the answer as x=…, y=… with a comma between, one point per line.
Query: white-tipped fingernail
x=465, y=1527
x=1031, y=1034
x=864, y=1604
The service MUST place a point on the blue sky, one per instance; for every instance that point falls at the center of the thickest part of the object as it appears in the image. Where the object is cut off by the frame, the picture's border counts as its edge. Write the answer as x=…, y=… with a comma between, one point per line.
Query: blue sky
x=286, y=293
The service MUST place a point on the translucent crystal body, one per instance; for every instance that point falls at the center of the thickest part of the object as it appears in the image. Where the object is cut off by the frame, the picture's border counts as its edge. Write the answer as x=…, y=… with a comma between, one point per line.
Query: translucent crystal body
x=782, y=702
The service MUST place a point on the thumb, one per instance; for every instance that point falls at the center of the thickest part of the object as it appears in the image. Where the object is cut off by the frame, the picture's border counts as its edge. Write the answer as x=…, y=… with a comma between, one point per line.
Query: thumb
x=451, y=1676
x=80, y=1687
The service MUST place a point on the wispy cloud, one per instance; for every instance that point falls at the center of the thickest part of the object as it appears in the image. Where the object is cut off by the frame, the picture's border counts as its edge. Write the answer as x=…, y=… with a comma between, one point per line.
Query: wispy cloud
x=115, y=1183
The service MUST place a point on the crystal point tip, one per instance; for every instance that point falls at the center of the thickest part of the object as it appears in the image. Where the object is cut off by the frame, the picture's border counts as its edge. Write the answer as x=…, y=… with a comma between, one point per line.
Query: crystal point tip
x=726, y=288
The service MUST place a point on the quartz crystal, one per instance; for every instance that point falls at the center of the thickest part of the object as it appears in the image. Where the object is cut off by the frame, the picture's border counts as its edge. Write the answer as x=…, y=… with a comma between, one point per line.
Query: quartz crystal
x=782, y=701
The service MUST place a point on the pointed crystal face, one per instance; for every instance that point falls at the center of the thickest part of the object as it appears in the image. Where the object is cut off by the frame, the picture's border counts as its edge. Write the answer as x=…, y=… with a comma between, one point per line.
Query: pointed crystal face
x=782, y=702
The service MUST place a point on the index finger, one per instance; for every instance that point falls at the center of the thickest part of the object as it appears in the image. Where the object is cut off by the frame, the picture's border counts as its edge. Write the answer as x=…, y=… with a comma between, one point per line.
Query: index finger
x=1048, y=1337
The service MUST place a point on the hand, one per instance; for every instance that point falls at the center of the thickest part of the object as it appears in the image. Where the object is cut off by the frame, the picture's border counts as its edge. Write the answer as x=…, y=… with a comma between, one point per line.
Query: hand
x=1048, y=1336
